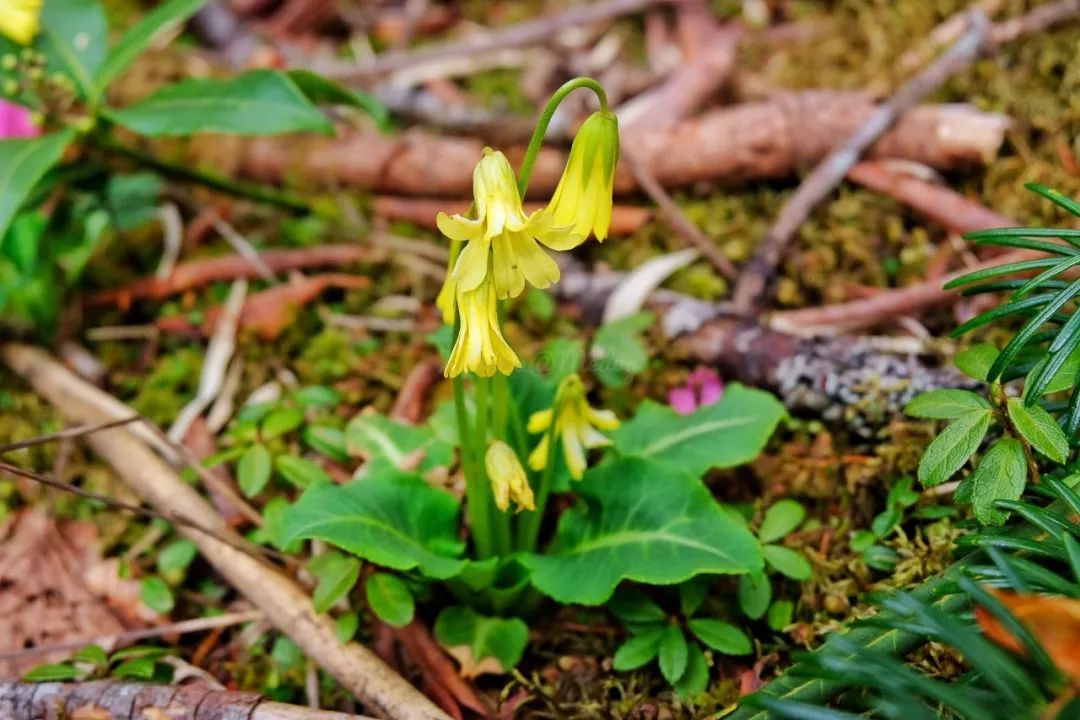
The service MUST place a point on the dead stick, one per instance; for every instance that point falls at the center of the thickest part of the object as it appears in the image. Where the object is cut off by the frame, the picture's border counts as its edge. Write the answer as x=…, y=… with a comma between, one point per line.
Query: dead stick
x=66, y=434
x=1035, y=20
x=750, y=290
x=121, y=700
x=515, y=36
x=286, y=606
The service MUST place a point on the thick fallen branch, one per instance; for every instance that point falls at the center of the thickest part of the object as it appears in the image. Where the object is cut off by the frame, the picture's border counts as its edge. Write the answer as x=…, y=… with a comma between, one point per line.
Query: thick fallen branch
x=116, y=700
x=285, y=605
x=749, y=293
x=751, y=141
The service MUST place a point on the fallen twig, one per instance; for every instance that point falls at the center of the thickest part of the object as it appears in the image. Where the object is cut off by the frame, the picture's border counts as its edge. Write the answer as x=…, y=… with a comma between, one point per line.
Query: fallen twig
x=66, y=434
x=286, y=606
x=749, y=293
x=120, y=700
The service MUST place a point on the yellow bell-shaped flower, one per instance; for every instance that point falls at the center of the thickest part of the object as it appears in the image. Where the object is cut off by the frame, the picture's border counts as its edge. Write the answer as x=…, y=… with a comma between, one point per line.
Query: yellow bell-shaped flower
x=583, y=198
x=508, y=479
x=503, y=242
x=480, y=346
x=19, y=19
x=577, y=424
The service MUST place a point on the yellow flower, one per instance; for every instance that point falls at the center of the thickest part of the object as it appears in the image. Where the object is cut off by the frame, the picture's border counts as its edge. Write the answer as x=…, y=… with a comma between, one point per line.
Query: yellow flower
x=502, y=227
x=480, y=346
x=508, y=480
x=576, y=423
x=582, y=200
x=19, y=19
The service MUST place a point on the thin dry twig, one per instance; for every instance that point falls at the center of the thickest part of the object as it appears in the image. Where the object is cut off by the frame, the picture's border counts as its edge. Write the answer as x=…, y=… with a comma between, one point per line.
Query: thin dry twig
x=184, y=627
x=677, y=218
x=67, y=434
x=750, y=290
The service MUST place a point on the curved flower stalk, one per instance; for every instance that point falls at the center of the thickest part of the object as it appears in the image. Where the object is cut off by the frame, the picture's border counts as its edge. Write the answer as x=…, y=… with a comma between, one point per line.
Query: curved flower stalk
x=583, y=197
x=503, y=242
x=19, y=19
x=576, y=423
x=480, y=346
x=508, y=479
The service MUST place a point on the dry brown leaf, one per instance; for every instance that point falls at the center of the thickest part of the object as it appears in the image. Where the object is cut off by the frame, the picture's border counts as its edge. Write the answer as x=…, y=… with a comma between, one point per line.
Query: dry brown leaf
x=1054, y=621
x=44, y=598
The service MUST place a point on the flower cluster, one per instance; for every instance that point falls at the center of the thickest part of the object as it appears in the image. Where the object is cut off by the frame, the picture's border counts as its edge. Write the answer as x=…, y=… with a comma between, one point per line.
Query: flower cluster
x=575, y=422
x=504, y=248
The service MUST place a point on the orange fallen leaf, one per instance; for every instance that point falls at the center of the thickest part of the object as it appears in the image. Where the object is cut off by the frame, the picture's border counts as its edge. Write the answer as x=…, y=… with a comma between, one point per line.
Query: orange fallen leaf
x=1054, y=621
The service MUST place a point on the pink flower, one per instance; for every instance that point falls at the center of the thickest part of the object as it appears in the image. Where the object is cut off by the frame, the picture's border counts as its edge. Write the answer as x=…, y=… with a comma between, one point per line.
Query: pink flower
x=15, y=122
x=703, y=387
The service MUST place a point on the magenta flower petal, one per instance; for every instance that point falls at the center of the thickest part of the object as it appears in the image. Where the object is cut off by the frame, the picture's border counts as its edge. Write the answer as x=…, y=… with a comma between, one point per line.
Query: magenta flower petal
x=15, y=122
x=711, y=392
x=682, y=400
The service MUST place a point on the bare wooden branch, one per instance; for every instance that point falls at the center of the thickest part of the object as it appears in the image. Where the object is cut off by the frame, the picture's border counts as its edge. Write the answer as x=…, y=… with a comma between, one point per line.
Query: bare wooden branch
x=118, y=700
x=749, y=293
x=285, y=605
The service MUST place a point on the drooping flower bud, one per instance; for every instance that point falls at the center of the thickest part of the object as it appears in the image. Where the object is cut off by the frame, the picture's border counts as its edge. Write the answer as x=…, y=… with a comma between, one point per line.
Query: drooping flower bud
x=508, y=479
x=577, y=424
x=583, y=198
x=480, y=346
x=19, y=19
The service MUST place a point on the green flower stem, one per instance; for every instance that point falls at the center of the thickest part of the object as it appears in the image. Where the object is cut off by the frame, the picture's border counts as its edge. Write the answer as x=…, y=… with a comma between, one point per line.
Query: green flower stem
x=475, y=492
x=529, y=527
x=545, y=119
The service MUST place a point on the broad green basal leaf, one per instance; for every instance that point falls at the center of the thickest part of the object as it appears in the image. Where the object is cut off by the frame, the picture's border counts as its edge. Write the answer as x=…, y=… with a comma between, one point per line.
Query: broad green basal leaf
x=395, y=520
x=481, y=644
x=952, y=448
x=259, y=102
x=640, y=520
x=725, y=434
x=22, y=163
x=322, y=91
x=74, y=38
x=384, y=441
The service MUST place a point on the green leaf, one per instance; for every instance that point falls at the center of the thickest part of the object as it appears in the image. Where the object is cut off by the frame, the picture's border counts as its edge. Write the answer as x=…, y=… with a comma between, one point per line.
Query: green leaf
x=1001, y=475
x=394, y=520
x=780, y=519
x=472, y=638
x=139, y=668
x=22, y=163
x=692, y=593
x=301, y=472
x=673, y=653
x=721, y=636
x=337, y=575
x=345, y=627
x=975, y=361
x=326, y=440
x=696, y=678
x=253, y=470
x=176, y=556
x=618, y=350
x=152, y=26
x=1040, y=429
x=780, y=614
x=57, y=672
x=280, y=422
x=788, y=562
x=382, y=439
x=286, y=654
x=259, y=102
x=322, y=91
x=75, y=39
x=952, y=448
x=317, y=396
x=730, y=432
x=755, y=593
x=641, y=520
x=945, y=404
x=388, y=597
x=156, y=595
x=93, y=654
x=633, y=606
x=637, y=651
